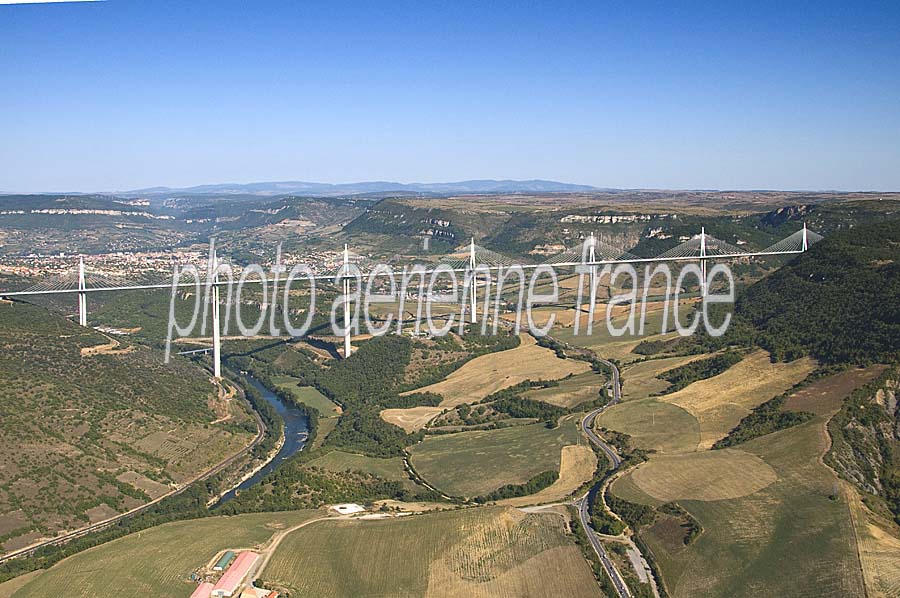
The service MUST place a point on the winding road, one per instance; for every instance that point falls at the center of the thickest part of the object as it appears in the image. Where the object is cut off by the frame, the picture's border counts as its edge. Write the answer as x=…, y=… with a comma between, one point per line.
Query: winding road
x=583, y=504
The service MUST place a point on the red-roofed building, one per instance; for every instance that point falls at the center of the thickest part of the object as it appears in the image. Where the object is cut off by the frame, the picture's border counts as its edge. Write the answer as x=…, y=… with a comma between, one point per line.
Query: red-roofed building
x=231, y=582
x=203, y=590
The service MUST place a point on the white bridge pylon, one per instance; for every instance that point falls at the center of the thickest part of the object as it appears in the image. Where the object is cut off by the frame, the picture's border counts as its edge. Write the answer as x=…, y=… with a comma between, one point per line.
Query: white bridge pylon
x=473, y=259
x=81, y=279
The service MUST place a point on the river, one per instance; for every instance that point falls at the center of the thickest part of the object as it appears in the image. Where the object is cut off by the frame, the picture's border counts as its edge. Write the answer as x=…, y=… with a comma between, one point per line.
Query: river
x=296, y=428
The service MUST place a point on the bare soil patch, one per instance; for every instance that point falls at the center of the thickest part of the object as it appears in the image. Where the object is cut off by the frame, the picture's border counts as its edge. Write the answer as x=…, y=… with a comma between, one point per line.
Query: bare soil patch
x=412, y=418
x=825, y=396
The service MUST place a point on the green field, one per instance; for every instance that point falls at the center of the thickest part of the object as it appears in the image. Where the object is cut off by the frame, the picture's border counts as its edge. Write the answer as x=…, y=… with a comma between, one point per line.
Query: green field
x=307, y=395
x=786, y=539
x=389, y=469
x=156, y=562
x=471, y=552
x=474, y=463
x=326, y=425
x=653, y=424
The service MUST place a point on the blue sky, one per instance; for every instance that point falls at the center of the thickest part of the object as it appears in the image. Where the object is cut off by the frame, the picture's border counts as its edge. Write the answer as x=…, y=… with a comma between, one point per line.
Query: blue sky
x=119, y=94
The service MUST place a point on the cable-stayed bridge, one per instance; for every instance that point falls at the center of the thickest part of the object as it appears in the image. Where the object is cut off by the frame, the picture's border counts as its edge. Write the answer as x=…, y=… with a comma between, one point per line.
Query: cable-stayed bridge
x=83, y=279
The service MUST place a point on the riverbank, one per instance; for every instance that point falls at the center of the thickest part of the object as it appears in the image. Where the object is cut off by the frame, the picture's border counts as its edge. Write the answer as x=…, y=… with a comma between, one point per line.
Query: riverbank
x=295, y=431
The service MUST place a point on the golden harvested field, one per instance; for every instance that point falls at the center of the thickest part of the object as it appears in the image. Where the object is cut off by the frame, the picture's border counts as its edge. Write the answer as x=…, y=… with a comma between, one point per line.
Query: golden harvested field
x=410, y=419
x=708, y=475
x=488, y=551
x=576, y=467
x=158, y=561
x=640, y=380
x=878, y=541
x=719, y=403
x=653, y=424
x=489, y=373
x=571, y=391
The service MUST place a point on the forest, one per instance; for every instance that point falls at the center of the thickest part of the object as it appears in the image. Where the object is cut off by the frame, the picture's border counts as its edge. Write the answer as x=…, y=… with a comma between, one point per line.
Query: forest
x=839, y=302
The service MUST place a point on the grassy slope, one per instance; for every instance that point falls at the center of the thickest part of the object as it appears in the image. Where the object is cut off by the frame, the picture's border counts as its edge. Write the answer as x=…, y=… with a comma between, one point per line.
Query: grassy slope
x=477, y=462
x=719, y=403
x=879, y=547
x=489, y=373
x=472, y=552
x=156, y=562
x=703, y=411
x=640, y=381
x=619, y=347
x=751, y=544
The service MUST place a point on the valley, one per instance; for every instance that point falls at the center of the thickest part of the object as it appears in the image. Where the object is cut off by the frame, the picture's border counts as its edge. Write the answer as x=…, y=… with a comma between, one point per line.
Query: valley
x=467, y=450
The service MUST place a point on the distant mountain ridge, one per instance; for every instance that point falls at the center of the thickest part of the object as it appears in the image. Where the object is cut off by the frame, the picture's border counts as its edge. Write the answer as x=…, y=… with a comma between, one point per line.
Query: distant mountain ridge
x=325, y=189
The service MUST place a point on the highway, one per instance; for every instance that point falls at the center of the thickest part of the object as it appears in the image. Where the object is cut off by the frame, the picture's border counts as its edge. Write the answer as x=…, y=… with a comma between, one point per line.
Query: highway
x=587, y=424
x=583, y=504
x=608, y=565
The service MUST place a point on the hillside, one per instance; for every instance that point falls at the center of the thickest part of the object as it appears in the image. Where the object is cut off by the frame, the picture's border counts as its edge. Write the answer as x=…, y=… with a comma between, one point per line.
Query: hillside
x=644, y=223
x=839, y=302
x=93, y=427
x=45, y=223
x=866, y=447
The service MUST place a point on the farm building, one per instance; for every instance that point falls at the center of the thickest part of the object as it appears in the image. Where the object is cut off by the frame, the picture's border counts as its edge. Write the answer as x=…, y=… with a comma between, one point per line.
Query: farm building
x=223, y=562
x=233, y=578
x=203, y=590
x=348, y=508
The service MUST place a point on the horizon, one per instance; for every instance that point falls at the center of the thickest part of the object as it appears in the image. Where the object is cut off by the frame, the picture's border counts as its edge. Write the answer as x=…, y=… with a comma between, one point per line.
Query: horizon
x=162, y=188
